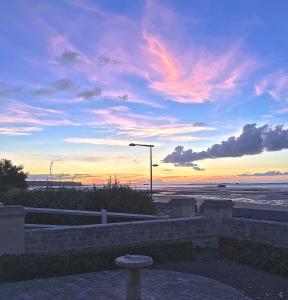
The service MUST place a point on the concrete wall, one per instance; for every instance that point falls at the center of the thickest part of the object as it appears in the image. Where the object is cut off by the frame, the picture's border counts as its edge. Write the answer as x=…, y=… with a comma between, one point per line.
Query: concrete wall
x=275, y=233
x=200, y=230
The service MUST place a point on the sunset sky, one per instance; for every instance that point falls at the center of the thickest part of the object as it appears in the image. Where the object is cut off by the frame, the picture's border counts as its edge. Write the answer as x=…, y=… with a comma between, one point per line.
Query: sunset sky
x=80, y=80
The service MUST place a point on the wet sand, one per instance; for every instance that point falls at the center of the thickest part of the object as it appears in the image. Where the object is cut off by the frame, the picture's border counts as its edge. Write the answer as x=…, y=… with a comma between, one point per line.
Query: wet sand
x=260, y=198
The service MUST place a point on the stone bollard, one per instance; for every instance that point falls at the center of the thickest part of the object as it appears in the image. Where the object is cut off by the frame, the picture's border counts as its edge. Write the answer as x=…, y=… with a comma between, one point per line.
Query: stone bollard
x=182, y=207
x=133, y=265
x=12, y=231
x=218, y=210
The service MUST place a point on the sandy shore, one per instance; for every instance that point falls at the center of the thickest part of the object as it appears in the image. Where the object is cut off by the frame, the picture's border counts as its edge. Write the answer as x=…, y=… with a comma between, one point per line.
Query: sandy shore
x=272, y=199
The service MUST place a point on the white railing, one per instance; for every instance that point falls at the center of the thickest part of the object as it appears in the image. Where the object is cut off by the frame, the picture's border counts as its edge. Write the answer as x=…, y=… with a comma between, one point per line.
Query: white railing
x=103, y=213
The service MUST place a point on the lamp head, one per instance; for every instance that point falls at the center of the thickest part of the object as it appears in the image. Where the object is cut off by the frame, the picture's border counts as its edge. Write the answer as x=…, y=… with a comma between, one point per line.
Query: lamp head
x=132, y=145
x=155, y=165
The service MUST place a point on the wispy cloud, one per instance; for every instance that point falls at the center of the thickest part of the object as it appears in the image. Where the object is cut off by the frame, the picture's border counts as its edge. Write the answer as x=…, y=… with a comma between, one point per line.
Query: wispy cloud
x=105, y=142
x=17, y=131
x=203, y=76
x=128, y=96
x=268, y=173
x=17, y=112
x=275, y=84
x=146, y=125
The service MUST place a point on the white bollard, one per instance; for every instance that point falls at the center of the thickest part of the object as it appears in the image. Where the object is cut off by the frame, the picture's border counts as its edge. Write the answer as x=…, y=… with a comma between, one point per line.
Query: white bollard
x=103, y=216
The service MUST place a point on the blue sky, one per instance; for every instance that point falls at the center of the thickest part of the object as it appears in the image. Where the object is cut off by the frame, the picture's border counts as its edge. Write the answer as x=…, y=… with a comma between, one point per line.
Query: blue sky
x=79, y=80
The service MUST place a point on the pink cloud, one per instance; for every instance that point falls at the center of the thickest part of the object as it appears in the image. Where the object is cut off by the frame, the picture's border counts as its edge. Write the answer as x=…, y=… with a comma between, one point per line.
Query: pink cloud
x=17, y=112
x=120, y=117
x=151, y=50
x=197, y=76
x=126, y=123
x=128, y=96
x=275, y=84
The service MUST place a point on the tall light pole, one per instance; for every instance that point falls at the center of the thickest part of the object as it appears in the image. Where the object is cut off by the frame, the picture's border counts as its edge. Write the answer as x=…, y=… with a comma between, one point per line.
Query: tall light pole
x=151, y=165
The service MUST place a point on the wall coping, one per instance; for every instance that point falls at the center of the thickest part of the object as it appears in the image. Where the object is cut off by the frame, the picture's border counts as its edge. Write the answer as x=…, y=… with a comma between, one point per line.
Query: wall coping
x=109, y=225
x=218, y=204
x=11, y=210
x=256, y=221
x=182, y=201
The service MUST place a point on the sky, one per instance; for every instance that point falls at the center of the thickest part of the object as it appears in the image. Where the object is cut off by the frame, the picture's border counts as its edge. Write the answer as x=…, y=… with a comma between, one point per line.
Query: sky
x=204, y=81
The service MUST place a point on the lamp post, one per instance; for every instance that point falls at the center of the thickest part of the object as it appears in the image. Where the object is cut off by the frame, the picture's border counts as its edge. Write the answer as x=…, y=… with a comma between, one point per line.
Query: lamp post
x=151, y=165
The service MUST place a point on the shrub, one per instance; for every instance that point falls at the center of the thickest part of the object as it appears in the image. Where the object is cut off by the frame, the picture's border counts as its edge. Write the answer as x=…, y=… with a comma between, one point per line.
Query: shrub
x=31, y=266
x=113, y=197
x=262, y=256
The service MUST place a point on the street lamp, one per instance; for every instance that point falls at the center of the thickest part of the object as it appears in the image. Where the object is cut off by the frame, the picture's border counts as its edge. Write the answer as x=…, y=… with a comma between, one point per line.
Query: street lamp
x=151, y=165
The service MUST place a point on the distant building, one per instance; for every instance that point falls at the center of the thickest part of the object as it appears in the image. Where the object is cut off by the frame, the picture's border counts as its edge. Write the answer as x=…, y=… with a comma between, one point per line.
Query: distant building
x=44, y=183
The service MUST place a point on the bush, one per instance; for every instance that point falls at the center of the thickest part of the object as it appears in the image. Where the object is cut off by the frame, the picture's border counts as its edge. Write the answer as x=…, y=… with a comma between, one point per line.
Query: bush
x=262, y=256
x=31, y=266
x=113, y=197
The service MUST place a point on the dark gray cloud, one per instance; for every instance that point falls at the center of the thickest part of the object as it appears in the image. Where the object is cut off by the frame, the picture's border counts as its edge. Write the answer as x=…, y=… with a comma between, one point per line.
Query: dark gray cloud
x=68, y=58
x=268, y=173
x=123, y=97
x=56, y=86
x=252, y=141
x=189, y=164
x=104, y=60
x=8, y=89
x=200, y=124
x=90, y=94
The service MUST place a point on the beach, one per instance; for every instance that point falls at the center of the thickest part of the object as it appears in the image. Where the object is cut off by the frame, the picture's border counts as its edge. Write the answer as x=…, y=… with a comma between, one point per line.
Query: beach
x=267, y=196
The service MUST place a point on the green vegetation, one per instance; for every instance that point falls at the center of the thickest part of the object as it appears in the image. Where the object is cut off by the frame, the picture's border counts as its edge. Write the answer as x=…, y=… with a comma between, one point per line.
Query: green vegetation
x=112, y=197
x=262, y=256
x=30, y=266
x=11, y=176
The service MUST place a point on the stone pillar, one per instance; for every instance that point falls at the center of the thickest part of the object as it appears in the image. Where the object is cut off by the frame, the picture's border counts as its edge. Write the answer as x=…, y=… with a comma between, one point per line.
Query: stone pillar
x=12, y=231
x=182, y=207
x=218, y=210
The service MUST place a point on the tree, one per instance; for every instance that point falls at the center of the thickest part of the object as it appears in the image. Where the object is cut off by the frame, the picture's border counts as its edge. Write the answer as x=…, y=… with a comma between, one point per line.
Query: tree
x=11, y=176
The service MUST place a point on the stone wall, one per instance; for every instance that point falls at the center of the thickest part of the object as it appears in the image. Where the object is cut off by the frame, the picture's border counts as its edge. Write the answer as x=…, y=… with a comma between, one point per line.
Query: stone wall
x=275, y=233
x=12, y=233
x=261, y=214
x=203, y=231
x=200, y=230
